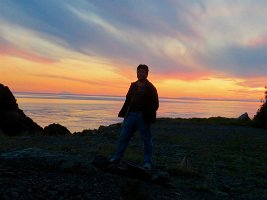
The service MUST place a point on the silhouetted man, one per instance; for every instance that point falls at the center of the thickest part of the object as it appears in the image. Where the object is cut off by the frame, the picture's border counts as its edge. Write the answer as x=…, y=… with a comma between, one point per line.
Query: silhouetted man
x=138, y=111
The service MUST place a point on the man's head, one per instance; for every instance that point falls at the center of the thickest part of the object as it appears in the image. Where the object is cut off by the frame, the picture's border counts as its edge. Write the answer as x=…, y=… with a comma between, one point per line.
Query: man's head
x=142, y=72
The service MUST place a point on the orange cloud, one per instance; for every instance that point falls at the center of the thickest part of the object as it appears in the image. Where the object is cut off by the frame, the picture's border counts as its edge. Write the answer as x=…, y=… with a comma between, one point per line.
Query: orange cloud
x=209, y=87
x=73, y=76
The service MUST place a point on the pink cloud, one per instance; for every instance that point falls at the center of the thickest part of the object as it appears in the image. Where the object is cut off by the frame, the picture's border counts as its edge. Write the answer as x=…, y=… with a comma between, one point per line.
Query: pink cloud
x=258, y=42
x=184, y=76
x=6, y=49
x=254, y=82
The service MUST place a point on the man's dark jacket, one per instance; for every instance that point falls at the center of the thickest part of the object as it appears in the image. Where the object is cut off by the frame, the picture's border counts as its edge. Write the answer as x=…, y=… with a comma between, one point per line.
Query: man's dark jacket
x=151, y=103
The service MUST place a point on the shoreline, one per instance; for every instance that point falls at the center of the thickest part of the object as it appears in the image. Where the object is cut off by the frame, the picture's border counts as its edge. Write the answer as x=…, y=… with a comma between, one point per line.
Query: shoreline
x=211, y=121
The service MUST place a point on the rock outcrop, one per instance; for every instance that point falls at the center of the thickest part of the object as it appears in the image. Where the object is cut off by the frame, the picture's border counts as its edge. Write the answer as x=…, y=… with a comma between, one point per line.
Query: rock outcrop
x=244, y=117
x=13, y=121
x=56, y=129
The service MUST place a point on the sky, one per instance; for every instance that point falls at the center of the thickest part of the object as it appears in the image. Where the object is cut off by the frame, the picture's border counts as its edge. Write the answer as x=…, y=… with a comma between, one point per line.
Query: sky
x=194, y=49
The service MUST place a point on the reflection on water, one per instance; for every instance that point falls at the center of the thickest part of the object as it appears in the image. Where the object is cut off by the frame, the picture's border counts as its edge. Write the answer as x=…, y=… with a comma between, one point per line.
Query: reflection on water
x=207, y=108
x=78, y=112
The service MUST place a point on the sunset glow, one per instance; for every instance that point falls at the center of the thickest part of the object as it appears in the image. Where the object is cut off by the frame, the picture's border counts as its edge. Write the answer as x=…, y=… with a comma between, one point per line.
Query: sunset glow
x=194, y=49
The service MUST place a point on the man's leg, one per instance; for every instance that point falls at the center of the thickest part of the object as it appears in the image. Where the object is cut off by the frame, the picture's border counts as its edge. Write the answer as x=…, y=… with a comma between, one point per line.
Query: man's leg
x=128, y=128
x=145, y=132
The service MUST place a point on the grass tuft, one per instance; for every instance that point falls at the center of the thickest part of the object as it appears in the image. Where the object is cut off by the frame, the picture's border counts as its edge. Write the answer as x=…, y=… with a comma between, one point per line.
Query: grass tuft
x=183, y=169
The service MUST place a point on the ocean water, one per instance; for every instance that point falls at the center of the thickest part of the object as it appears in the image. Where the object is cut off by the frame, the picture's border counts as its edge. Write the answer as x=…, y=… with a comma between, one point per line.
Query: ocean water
x=79, y=112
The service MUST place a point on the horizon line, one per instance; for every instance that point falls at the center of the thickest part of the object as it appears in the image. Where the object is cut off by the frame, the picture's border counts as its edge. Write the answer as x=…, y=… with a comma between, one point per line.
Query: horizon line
x=62, y=94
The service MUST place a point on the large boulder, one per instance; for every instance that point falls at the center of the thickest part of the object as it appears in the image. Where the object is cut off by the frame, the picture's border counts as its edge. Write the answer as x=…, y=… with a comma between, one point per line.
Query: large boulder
x=56, y=129
x=13, y=121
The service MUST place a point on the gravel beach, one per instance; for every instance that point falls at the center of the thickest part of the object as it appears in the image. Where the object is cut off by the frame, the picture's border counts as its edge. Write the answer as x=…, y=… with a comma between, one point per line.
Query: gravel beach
x=202, y=160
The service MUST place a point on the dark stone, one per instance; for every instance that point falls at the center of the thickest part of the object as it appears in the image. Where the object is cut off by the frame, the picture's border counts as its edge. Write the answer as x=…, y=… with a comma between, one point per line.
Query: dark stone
x=13, y=121
x=56, y=129
x=137, y=171
x=43, y=159
x=113, y=128
x=161, y=177
x=101, y=161
x=244, y=117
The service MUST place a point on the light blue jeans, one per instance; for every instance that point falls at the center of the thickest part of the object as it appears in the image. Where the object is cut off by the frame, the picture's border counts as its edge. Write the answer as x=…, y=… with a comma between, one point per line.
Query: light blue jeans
x=133, y=122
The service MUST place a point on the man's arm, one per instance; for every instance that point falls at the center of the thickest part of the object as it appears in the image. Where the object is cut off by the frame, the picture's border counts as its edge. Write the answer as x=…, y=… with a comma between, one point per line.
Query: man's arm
x=126, y=104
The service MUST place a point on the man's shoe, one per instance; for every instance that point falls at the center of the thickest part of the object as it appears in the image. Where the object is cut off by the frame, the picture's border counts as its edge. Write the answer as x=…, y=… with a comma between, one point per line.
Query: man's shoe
x=147, y=166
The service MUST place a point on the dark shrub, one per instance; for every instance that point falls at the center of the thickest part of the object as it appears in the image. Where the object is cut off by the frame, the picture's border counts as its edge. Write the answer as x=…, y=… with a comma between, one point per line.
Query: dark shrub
x=260, y=119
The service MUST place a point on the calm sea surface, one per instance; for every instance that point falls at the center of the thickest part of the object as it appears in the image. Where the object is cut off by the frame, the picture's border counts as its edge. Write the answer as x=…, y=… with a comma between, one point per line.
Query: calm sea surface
x=79, y=112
